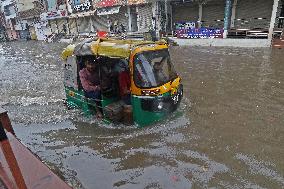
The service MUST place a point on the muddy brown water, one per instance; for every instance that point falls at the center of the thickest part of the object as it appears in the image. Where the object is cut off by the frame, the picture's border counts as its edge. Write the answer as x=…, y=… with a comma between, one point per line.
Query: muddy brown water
x=230, y=133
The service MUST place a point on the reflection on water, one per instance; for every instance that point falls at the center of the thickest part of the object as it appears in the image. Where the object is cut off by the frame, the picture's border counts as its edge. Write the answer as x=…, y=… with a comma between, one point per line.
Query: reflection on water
x=229, y=134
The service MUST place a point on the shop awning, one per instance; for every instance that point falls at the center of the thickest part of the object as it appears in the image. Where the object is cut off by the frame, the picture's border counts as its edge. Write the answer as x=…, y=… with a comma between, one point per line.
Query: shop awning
x=108, y=10
x=136, y=2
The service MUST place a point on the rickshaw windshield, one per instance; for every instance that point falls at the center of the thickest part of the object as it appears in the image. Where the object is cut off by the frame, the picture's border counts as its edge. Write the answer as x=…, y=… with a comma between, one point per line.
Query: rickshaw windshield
x=153, y=68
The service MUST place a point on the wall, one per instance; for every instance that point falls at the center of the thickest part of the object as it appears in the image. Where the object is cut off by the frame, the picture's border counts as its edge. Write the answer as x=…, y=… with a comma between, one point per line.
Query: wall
x=5, y=3
x=213, y=13
x=224, y=42
x=247, y=12
x=185, y=12
x=12, y=35
x=24, y=5
x=8, y=9
x=145, y=14
x=51, y=5
x=280, y=13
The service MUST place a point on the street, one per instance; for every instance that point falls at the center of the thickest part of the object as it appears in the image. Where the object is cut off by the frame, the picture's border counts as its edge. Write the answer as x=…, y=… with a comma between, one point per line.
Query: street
x=230, y=134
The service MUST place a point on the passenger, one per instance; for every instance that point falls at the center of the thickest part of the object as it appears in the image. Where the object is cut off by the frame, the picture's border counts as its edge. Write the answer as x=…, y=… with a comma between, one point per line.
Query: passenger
x=106, y=78
x=90, y=80
x=124, y=82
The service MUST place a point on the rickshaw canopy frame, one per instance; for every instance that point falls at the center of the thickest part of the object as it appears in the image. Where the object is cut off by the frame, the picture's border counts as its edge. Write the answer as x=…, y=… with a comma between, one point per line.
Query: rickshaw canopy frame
x=112, y=48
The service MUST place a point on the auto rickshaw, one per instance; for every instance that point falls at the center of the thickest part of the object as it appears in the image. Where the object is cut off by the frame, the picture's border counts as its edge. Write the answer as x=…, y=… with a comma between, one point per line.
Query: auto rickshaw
x=155, y=89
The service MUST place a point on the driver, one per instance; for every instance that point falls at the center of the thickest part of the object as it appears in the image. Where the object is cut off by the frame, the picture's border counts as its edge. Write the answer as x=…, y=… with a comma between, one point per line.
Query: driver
x=90, y=80
x=158, y=72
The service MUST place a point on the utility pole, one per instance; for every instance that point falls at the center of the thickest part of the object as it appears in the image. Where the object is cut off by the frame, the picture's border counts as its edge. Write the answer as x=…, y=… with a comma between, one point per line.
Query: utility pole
x=227, y=17
x=18, y=18
x=166, y=12
x=272, y=20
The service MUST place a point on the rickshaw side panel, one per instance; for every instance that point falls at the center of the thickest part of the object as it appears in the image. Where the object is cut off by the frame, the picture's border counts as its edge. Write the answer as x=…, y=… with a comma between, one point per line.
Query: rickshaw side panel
x=76, y=99
x=70, y=72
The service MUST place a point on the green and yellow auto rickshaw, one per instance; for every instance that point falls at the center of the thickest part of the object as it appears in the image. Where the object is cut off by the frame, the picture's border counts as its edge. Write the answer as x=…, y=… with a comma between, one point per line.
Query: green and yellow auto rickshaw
x=155, y=89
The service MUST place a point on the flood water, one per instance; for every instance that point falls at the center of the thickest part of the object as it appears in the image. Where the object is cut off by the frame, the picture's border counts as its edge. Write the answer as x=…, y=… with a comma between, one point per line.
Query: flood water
x=230, y=133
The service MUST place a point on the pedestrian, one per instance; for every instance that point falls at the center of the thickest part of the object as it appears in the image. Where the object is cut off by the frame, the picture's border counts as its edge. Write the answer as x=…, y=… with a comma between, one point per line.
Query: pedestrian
x=64, y=28
x=115, y=26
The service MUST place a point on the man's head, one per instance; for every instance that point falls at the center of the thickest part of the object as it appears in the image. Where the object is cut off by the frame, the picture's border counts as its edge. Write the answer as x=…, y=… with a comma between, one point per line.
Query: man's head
x=157, y=65
x=90, y=65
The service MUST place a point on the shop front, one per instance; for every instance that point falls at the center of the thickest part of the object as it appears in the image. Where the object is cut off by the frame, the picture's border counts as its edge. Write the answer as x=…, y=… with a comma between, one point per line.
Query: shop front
x=57, y=20
x=184, y=12
x=251, y=14
x=213, y=14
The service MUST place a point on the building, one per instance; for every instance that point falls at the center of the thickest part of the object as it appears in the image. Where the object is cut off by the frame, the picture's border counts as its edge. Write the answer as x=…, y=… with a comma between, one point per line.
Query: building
x=29, y=24
x=84, y=17
x=55, y=16
x=3, y=35
x=279, y=23
x=10, y=14
x=40, y=19
x=238, y=18
x=101, y=15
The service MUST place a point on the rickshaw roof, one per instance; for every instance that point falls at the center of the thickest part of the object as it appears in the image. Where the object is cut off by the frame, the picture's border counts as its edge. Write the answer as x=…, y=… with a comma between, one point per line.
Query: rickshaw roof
x=105, y=47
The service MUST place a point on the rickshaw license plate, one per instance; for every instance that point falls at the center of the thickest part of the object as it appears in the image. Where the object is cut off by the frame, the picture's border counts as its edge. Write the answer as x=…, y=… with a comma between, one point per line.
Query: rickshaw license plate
x=175, y=98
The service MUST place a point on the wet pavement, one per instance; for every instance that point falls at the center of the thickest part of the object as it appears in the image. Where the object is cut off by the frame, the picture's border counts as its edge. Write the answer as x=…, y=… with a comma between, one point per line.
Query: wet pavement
x=230, y=133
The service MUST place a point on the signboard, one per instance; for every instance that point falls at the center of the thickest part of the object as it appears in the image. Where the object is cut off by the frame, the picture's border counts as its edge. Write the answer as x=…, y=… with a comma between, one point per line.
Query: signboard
x=200, y=33
x=53, y=14
x=85, y=6
x=108, y=10
x=108, y=3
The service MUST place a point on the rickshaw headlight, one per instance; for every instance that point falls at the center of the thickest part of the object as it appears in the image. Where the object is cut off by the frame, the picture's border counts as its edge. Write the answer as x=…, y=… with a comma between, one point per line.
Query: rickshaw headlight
x=160, y=105
x=150, y=92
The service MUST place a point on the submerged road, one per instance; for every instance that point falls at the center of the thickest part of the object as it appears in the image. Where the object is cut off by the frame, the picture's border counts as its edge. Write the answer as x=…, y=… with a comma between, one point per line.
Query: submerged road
x=231, y=133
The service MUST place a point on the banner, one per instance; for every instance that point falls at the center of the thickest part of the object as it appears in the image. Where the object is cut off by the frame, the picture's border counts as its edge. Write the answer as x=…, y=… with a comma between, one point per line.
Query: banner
x=108, y=10
x=53, y=14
